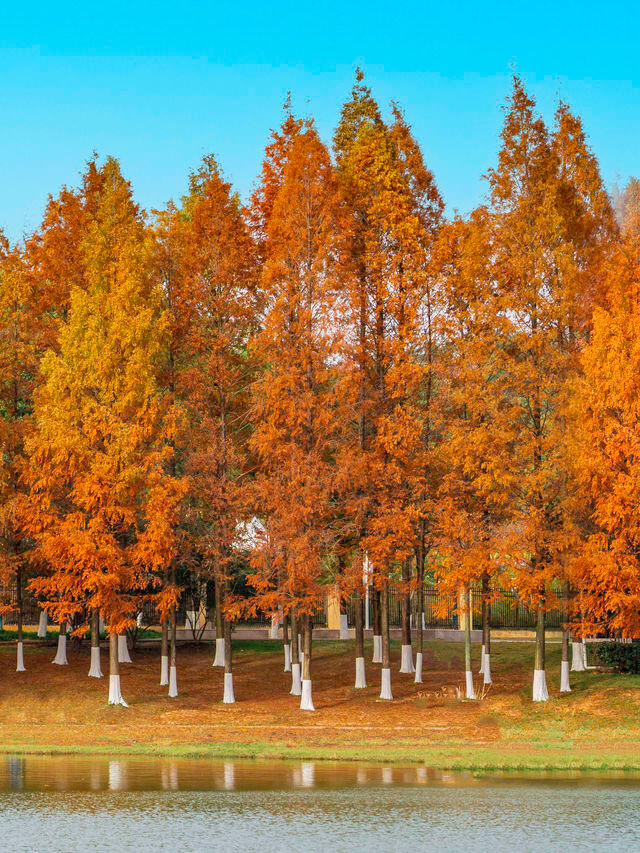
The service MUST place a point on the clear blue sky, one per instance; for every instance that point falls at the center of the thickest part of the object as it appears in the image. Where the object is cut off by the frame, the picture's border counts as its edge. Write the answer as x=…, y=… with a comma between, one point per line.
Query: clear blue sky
x=159, y=84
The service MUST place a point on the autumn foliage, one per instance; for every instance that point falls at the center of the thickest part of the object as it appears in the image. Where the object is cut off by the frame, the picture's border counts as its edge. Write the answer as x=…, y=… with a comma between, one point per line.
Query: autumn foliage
x=270, y=398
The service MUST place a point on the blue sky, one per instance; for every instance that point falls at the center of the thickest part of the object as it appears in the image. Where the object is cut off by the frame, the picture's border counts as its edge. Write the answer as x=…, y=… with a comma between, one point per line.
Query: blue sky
x=160, y=84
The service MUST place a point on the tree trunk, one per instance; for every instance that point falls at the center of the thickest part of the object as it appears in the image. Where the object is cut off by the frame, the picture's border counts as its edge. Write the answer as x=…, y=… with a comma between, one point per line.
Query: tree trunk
x=470, y=692
x=540, y=692
x=164, y=654
x=565, y=686
x=228, y=698
x=173, y=671
x=42, y=625
x=306, y=699
x=296, y=679
x=385, y=687
x=61, y=655
x=19, y=602
x=377, y=625
x=485, y=667
x=361, y=680
x=419, y=634
x=95, y=670
x=285, y=643
x=406, y=660
x=220, y=656
x=123, y=648
x=115, y=695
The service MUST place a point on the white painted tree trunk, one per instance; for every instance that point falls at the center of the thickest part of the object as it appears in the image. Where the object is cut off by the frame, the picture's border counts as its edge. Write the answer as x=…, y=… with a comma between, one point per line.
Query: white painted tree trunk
x=565, y=687
x=173, y=682
x=42, y=624
x=418, y=678
x=164, y=670
x=344, y=627
x=228, y=698
x=287, y=658
x=487, y=670
x=377, y=649
x=470, y=692
x=95, y=670
x=540, y=692
x=20, y=658
x=115, y=696
x=306, y=700
x=577, y=657
x=406, y=660
x=123, y=649
x=61, y=654
x=361, y=678
x=481, y=670
x=385, y=686
x=296, y=684
x=219, y=658
x=424, y=626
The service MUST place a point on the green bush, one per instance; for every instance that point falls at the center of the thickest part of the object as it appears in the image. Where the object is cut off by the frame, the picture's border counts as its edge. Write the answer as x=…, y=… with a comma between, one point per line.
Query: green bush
x=623, y=657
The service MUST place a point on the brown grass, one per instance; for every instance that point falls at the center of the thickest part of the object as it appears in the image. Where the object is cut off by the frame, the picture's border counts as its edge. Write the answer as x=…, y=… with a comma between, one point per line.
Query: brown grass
x=59, y=708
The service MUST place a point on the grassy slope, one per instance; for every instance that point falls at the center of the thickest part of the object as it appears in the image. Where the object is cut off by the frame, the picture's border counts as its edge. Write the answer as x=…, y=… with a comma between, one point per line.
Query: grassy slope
x=58, y=709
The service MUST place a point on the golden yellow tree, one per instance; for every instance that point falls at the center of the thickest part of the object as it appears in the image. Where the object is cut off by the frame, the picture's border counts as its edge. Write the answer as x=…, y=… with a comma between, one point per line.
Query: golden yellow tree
x=102, y=505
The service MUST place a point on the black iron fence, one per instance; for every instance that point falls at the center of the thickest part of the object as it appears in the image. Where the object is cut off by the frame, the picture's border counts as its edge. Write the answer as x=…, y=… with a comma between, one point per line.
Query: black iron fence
x=440, y=611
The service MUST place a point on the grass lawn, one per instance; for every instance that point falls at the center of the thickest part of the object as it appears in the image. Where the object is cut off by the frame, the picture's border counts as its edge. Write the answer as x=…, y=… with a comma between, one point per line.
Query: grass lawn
x=58, y=709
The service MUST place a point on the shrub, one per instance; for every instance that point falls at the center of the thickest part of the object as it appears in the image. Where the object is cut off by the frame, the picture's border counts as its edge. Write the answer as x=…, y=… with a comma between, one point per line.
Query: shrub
x=623, y=657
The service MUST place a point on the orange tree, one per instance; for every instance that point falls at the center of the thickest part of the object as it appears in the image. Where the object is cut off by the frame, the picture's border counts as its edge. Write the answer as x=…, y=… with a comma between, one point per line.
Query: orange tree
x=54, y=265
x=471, y=494
x=293, y=405
x=391, y=205
x=53, y=253
x=606, y=455
x=21, y=331
x=101, y=505
x=215, y=371
x=549, y=223
x=276, y=156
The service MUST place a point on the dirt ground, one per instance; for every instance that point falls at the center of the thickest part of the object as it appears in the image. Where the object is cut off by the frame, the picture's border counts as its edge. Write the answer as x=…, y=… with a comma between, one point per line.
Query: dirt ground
x=53, y=708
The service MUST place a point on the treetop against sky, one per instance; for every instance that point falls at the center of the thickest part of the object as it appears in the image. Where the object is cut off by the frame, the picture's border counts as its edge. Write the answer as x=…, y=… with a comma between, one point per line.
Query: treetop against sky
x=158, y=85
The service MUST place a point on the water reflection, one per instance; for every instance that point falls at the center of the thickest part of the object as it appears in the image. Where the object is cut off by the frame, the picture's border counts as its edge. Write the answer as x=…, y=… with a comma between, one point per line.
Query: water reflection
x=229, y=776
x=64, y=803
x=64, y=773
x=169, y=776
x=117, y=776
x=17, y=768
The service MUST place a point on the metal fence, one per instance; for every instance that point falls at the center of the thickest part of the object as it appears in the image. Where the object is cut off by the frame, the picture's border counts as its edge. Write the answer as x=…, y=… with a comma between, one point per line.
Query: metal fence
x=440, y=611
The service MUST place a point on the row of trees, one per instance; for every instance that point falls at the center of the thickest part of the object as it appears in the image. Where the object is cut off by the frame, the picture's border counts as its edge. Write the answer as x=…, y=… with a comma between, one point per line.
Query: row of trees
x=333, y=381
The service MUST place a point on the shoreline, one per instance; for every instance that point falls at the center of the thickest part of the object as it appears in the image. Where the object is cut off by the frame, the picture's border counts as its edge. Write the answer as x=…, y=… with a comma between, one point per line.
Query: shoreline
x=51, y=710
x=453, y=757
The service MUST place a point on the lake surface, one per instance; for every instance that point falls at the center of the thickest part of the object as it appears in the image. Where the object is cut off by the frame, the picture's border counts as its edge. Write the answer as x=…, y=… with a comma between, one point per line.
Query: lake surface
x=67, y=804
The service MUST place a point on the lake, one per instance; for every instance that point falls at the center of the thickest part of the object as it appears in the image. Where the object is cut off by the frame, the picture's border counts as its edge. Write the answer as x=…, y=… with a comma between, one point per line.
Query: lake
x=75, y=803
